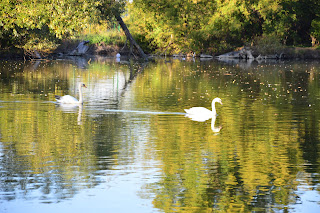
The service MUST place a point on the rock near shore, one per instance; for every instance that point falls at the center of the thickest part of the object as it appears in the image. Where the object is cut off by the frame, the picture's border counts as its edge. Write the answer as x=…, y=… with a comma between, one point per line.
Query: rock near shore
x=247, y=53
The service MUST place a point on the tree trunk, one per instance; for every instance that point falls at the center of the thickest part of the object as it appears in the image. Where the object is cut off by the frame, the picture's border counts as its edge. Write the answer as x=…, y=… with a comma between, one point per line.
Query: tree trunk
x=129, y=36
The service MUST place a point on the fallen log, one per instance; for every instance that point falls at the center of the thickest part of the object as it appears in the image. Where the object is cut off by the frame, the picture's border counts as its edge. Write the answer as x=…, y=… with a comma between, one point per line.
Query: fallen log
x=205, y=56
x=246, y=54
x=81, y=49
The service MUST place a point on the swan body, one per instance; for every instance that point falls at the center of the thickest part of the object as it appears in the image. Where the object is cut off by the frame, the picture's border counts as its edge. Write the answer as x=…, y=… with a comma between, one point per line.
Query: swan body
x=201, y=113
x=68, y=99
x=200, y=117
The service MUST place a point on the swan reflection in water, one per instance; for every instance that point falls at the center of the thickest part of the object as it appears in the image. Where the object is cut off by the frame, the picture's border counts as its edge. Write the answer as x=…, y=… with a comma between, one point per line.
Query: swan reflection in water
x=215, y=129
x=203, y=119
x=72, y=108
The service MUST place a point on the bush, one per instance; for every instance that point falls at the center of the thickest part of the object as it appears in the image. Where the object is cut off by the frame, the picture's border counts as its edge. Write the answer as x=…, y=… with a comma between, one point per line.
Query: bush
x=267, y=45
x=315, y=31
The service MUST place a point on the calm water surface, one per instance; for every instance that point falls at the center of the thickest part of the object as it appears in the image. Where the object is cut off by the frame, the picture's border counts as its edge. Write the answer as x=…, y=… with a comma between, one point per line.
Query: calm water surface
x=130, y=148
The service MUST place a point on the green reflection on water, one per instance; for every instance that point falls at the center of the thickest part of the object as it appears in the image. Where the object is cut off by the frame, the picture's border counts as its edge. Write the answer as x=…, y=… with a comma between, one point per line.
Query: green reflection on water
x=268, y=142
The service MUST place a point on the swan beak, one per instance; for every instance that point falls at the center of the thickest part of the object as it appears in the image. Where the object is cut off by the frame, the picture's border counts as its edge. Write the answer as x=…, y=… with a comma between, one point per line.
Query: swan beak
x=83, y=85
x=220, y=102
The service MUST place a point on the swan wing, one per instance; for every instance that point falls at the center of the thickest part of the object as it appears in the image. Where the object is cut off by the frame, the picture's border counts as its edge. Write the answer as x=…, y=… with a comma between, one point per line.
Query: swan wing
x=67, y=99
x=199, y=118
x=198, y=111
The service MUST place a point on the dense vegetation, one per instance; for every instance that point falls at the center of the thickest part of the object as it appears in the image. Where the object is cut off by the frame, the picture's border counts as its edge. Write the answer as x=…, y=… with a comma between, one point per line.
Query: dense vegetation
x=202, y=25
x=171, y=26
x=38, y=21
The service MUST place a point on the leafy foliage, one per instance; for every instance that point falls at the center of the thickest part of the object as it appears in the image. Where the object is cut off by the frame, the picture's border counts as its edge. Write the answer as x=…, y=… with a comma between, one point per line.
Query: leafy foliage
x=215, y=26
x=316, y=30
x=165, y=26
x=21, y=21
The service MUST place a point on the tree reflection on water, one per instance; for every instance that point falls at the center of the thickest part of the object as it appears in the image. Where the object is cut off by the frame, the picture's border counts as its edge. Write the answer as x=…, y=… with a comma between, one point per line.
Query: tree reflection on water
x=263, y=148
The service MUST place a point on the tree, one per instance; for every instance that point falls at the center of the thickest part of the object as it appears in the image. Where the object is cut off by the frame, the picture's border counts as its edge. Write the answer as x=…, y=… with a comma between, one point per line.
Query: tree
x=111, y=9
x=21, y=21
x=215, y=26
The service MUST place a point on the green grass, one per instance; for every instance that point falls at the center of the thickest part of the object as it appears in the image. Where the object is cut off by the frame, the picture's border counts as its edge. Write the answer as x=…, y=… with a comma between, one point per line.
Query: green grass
x=103, y=34
x=106, y=39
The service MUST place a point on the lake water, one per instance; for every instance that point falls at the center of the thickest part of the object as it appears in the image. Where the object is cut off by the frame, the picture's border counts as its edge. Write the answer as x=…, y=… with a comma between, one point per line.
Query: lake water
x=130, y=147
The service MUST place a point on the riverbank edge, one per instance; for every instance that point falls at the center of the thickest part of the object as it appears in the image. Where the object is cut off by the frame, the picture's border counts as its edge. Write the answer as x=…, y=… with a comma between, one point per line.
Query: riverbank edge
x=101, y=49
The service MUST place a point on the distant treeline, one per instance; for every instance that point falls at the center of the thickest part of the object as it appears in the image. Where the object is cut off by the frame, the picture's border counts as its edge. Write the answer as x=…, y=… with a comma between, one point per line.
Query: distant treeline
x=167, y=25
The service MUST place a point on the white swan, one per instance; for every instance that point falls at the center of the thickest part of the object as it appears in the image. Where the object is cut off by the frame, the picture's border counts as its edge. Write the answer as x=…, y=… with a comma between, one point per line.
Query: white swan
x=68, y=99
x=201, y=113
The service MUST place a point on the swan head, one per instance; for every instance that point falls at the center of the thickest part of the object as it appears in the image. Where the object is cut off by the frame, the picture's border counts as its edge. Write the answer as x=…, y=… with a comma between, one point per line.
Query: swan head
x=83, y=85
x=216, y=100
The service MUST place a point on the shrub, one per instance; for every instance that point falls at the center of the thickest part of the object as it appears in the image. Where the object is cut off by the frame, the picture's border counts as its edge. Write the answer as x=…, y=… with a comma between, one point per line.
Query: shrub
x=267, y=45
x=315, y=31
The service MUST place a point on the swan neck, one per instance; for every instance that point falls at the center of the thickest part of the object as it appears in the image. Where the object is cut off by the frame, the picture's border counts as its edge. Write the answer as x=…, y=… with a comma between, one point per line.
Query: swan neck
x=213, y=122
x=80, y=94
x=214, y=107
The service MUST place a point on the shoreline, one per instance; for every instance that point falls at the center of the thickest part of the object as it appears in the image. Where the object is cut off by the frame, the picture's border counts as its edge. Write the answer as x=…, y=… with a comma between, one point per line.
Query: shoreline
x=290, y=53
